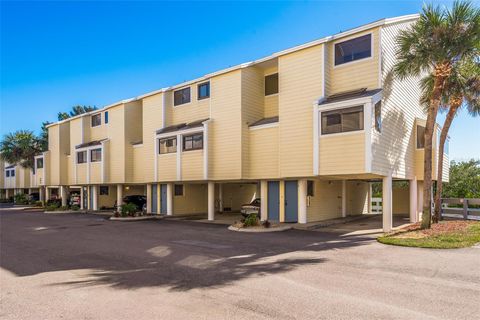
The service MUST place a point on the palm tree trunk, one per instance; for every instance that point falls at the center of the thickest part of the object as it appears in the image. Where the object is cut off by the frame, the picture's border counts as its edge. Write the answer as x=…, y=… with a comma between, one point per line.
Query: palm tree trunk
x=443, y=137
x=427, y=164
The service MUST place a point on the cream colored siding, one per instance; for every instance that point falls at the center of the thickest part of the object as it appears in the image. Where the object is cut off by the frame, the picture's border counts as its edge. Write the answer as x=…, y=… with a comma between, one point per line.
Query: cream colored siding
x=357, y=74
x=192, y=165
x=95, y=172
x=252, y=108
x=97, y=132
x=116, y=133
x=188, y=112
x=225, y=135
x=194, y=200
x=167, y=167
x=139, y=173
x=54, y=148
x=133, y=134
x=357, y=197
x=342, y=154
x=82, y=173
x=237, y=194
x=152, y=121
x=394, y=148
x=326, y=202
x=263, y=153
x=401, y=200
x=300, y=83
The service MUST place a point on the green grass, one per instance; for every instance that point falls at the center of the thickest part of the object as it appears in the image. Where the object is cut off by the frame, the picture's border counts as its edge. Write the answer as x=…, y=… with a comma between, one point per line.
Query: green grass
x=452, y=240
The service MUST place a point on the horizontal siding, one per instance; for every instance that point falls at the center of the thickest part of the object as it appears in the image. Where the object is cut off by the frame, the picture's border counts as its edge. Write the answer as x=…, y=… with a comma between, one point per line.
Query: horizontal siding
x=82, y=173
x=167, y=167
x=300, y=84
x=263, y=153
x=326, y=202
x=192, y=165
x=194, y=200
x=152, y=121
x=96, y=172
x=271, y=106
x=342, y=154
x=357, y=197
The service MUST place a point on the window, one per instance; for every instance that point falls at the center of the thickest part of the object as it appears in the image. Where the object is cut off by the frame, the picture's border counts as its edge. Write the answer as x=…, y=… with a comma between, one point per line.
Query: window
x=12, y=173
x=7, y=173
x=178, y=190
x=420, y=137
x=193, y=142
x=310, y=188
x=96, y=119
x=271, y=84
x=378, y=116
x=96, y=155
x=167, y=145
x=104, y=190
x=181, y=96
x=106, y=117
x=352, y=50
x=343, y=120
x=203, y=90
x=82, y=157
x=39, y=163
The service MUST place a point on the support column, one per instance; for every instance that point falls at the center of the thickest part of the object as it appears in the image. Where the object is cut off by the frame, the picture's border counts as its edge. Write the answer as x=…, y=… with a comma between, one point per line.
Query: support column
x=263, y=200
x=149, y=198
x=369, y=197
x=420, y=200
x=119, y=196
x=63, y=195
x=387, y=203
x=302, y=201
x=7, y=193
x=220, y=197
x=89, y=203
x=211, y=201
x=95, y=198
x=169, y=199
x=82, y=198
x=158, y=195
x=344, y=198
x=47, y=194
x=413, y=200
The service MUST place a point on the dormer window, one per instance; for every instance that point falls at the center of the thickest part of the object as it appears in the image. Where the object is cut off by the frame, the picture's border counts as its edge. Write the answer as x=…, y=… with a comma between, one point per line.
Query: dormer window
x=353, y=50
x=96, y=120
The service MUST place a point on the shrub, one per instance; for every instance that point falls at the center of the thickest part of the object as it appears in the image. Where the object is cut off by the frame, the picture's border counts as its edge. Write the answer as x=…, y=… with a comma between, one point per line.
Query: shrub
x=38, y=203
x=75, y=207
x=128, y=209
x=266, y=224
x=63, y=208
x=251, y=220
x=20, y=198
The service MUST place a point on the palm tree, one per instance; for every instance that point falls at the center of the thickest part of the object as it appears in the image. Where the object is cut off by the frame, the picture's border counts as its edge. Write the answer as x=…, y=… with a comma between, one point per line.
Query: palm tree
x=429, y=47
x=20, y=147
x=461, y=89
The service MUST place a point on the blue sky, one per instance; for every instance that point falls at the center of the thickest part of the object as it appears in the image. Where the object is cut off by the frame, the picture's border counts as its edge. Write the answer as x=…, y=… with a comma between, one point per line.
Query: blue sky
x=58, y=54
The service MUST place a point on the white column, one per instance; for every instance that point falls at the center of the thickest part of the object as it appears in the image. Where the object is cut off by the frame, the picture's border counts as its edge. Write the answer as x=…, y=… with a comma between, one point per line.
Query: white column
x=263, y=200
x=41, y=193
x=159, y=205
x=211, y=201
x=420, y=199
x=95, y=198
x=170, y=198
x=413, y=200
x=47, y=194
x=387, y=202
x=89, y=204
x=82, y=198
x=149, y=198
x=7, y=193
x=63, y=195
x=302, y=201
x=119, y=196
x=344, y=198
x=220, y=197
x=369, y=197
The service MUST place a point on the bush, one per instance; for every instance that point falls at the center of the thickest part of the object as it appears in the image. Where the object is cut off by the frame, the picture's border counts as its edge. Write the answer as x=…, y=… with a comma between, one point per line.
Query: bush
x=52, y=206
x=38, y=203
x=251, y=220
x=63, y=208
x=20, y=198
x=75, y=207
x=128, y=209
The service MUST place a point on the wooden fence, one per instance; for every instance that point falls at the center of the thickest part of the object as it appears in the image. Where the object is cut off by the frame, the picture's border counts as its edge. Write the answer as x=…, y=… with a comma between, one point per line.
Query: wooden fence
x=461, y=208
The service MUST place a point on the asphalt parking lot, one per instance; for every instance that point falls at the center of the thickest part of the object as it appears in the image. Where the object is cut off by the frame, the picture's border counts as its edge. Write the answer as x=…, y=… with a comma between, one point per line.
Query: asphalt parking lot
x=84, y=267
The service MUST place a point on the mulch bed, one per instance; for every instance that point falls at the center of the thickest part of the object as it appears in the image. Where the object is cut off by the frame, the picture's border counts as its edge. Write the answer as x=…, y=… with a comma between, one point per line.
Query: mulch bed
x=444, y=227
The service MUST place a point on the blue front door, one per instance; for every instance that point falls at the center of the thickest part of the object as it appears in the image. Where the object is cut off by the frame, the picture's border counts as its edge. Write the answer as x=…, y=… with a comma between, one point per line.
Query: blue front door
x=273, y=205
x=163, y=198
x=291, y=201
x=154, y=198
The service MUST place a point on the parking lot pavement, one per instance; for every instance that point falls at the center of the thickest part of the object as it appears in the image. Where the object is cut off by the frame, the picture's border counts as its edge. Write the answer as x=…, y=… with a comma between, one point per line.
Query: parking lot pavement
x=85, y=267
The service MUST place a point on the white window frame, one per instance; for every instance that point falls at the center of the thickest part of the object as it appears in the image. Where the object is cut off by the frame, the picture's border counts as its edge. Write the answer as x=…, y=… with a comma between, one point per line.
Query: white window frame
x=355, y=61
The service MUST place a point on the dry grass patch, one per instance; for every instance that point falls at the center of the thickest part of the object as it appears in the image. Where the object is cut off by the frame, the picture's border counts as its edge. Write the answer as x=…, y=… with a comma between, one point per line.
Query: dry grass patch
x=443, y=235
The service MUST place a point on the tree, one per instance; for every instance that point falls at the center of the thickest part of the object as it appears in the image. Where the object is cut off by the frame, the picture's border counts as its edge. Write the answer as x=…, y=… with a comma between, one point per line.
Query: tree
x=43, y=137
x=464, y=180
x=76, y=110
x=20, y=147
x=461, y=89
x=429, y=47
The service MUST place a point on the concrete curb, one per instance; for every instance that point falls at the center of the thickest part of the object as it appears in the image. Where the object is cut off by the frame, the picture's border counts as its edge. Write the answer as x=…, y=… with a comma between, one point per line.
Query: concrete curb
x=65, y=211
x=129, y=219
x=264, y=230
